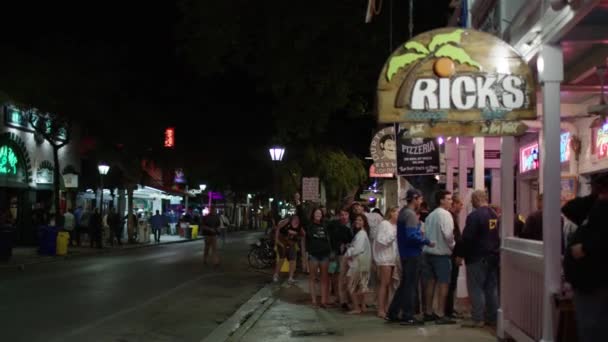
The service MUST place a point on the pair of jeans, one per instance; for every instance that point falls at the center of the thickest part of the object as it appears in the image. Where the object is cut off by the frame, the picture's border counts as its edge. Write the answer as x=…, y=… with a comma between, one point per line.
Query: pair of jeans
x=403, y=302
x=449, y=302
x=156, y=234
x=592, y=315
x=482, y=283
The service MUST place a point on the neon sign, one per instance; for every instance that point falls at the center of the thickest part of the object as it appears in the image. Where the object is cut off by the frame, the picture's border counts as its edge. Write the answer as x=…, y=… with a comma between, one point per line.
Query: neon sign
x=601, y=141
x=20, y=119
x=564, y=147
x=528, y=158
x=170, y=137
x=8, y=161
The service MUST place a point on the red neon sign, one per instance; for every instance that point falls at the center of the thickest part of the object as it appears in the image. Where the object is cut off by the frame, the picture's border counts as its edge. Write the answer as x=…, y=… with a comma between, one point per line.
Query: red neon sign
x=170, y=137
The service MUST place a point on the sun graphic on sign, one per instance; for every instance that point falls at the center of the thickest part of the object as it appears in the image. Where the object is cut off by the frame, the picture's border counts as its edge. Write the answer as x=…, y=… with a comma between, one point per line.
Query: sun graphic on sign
x=444, y=47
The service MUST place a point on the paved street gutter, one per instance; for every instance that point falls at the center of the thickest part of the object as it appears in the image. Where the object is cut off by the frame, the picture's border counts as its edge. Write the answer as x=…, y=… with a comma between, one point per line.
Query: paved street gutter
x=245, y=317
x=51, y=259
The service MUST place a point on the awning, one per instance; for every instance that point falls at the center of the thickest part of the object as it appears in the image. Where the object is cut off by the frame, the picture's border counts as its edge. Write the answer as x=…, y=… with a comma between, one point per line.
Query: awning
x=154, y=183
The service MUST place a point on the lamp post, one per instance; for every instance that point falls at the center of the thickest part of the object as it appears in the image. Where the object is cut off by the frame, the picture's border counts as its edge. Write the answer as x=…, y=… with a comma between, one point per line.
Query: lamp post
x=276, y=155
x=103, y=169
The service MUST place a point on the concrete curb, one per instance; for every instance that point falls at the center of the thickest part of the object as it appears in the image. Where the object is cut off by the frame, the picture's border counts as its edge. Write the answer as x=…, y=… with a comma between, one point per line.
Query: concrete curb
x=53, y=259
x=235, y=327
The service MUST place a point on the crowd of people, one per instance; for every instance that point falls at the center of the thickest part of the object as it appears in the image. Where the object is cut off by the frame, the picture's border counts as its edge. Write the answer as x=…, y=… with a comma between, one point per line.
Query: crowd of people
x=411, y=266
x=110, y=227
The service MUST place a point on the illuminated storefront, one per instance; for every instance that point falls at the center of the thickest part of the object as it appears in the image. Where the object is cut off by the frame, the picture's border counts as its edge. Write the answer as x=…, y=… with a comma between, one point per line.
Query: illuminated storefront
x=27, y=171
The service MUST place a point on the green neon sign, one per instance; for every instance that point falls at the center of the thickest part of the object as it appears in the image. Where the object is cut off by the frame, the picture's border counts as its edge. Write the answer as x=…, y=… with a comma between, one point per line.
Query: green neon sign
x=8, y=161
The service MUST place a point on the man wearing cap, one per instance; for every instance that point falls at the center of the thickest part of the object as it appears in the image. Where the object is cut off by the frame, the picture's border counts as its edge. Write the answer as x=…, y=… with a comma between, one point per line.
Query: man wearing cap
x=585, y=260
x=410, y=242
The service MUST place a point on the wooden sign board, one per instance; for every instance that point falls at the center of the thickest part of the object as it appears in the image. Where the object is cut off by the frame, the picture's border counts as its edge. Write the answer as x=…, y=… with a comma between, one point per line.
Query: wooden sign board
x=310, y=189
x=472, y=129
x=454, y=74
x=383, y=150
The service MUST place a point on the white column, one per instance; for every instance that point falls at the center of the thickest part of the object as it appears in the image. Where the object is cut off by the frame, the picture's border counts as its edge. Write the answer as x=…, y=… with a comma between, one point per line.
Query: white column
x=463, y=151
x=479, y=169
x=449, y=165
x=449, y=177
x=507, y=147
x=398, y=191
x=497, y=186
x=551, y=73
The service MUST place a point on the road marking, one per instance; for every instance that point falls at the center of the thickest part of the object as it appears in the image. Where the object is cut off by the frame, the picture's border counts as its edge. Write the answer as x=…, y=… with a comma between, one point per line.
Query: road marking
x=101, y=321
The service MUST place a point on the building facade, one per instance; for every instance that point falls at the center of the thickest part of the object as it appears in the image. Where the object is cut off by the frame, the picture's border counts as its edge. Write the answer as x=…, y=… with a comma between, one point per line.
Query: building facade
x=27, y=172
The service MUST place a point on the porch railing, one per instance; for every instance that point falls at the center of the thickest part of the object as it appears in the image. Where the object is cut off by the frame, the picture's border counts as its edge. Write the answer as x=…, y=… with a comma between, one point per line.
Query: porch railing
x=522, y=286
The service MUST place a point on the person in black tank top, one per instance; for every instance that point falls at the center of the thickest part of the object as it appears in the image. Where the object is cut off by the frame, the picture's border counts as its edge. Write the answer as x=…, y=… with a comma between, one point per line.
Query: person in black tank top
x=287, y=236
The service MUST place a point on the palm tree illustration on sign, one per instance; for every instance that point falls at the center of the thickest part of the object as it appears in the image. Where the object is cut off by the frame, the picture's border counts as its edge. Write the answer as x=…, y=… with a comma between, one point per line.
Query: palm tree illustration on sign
x=445, y=47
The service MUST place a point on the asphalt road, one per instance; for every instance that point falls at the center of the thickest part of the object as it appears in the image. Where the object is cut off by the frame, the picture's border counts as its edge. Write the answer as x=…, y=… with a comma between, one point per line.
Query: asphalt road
x=161, y=293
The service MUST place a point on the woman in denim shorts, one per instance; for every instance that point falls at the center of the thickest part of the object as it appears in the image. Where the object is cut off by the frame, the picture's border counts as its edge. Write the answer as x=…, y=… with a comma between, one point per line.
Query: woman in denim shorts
x=319, y=249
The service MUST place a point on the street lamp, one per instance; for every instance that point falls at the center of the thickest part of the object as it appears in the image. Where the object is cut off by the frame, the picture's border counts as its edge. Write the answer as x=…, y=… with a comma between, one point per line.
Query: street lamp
x=103, y=169
x=203, y=187
x=276, y=154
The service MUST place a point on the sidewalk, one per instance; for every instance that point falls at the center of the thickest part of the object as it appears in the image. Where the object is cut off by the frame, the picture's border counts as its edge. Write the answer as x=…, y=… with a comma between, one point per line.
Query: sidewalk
x=291, y=318
x=23, y=256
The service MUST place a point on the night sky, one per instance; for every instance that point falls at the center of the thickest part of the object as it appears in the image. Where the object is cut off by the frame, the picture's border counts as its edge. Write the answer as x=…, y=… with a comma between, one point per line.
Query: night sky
x=229, y=75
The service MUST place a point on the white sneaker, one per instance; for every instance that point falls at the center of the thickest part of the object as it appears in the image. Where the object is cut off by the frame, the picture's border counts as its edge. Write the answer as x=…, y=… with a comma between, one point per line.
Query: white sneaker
x=291, y=281
x=275, y=278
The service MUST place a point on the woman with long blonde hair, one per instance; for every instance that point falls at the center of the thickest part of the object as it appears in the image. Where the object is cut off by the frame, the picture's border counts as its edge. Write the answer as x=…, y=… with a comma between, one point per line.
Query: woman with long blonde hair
x=384, y=250
x=359, y=257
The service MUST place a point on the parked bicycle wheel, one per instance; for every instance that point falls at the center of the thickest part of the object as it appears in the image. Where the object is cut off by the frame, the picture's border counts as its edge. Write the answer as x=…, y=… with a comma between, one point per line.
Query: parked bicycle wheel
x=256, y=258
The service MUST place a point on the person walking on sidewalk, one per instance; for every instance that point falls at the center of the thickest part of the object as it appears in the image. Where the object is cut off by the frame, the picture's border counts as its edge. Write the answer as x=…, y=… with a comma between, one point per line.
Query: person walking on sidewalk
x=115, y=224
x=384, y=250
x=480, y=251
x=95, y=229
x=157, y=222
x=210, y=226
x=437, y=264
x=85, y=221
x=224, y=224
x=359, y=257
x=287, y=236
x=69, y=225
x=340, y=235
x=455, y=210
x=319, y=250
x=410, y=242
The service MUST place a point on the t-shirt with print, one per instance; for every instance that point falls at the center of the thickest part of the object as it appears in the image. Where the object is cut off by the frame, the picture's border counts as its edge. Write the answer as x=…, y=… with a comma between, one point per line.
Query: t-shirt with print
x=480, y=236
x=317, y=240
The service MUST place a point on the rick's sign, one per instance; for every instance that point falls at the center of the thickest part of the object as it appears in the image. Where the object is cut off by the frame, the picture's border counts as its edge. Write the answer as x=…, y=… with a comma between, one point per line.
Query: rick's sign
x=461, y=78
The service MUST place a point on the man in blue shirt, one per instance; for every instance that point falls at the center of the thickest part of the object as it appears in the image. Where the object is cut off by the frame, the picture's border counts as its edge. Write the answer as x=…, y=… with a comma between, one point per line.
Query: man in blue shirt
x=410, y=242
